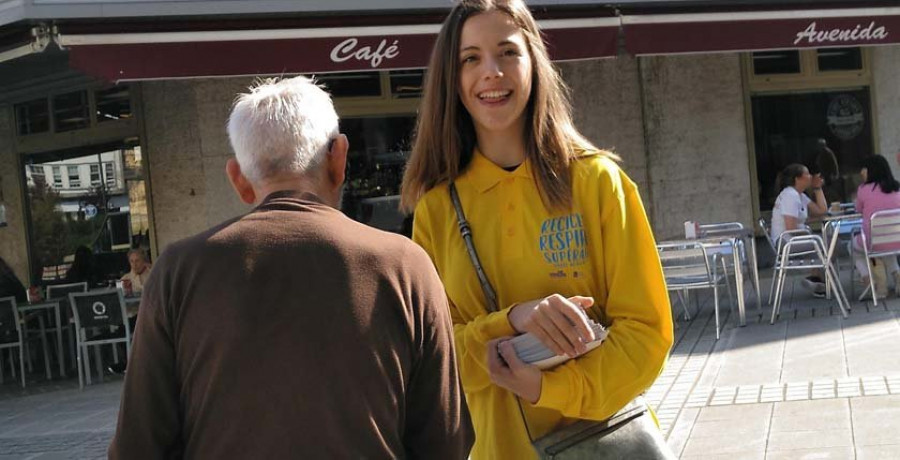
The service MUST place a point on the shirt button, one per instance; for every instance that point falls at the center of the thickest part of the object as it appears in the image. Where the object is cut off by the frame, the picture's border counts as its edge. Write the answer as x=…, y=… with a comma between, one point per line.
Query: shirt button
x=511, y=207
x=510, y=232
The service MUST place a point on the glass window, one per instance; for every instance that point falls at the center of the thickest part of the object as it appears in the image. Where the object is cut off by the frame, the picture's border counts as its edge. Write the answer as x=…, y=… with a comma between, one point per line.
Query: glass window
x=832, y=59
x=829, y=132
x=74, y=178
x=57, y=177
x=354, y=84
x=107, y=220
x=109, y=170
x=407, y=83
x=70, y=111
x=379, y=147
x=776, y=62
x=95, y=175
x=113, y=103
x=36, y=170
x=32, y=117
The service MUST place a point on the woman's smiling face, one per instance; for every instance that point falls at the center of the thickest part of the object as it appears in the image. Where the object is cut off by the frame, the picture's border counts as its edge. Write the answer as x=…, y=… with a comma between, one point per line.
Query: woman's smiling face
x=494, y=73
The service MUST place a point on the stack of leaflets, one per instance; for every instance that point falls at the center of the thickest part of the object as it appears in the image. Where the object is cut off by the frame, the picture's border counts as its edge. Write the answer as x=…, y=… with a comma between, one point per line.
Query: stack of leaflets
x=532, y=351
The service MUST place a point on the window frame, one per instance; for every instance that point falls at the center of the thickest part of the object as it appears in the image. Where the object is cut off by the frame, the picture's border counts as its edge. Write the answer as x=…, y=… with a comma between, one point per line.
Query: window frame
x=76, y=184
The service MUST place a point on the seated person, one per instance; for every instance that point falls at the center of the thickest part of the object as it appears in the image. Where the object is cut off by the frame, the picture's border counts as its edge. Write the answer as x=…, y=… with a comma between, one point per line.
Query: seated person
x=83, y=268
x=793, y=207
x=878, y=192
x=10, y=286
x=140, y=270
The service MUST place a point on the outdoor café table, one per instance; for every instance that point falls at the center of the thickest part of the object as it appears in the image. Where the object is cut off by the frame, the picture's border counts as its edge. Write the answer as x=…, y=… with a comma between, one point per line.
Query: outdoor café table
x=724, y=243
x=47, y=305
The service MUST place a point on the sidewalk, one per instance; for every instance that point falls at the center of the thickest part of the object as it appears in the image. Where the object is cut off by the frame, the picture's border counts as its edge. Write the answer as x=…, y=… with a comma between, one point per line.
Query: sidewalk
x=56, y=420
x=813, y=385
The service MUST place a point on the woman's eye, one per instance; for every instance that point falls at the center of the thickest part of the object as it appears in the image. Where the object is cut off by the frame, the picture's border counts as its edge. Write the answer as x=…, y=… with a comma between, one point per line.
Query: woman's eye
x=511, y=52
x=468, y=59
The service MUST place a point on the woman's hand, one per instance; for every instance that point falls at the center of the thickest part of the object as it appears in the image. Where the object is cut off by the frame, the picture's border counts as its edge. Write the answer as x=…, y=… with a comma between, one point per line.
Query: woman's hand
x=508, y=371
x=818, y=181
x=559, y=323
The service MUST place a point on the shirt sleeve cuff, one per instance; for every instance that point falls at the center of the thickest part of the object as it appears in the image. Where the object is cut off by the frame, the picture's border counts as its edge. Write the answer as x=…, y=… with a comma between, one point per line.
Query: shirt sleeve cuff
x=554, y=391
x=497, y=324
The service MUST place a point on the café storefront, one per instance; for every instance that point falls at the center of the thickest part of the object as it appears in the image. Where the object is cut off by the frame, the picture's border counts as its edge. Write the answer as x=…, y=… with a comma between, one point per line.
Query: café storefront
x=705, y=104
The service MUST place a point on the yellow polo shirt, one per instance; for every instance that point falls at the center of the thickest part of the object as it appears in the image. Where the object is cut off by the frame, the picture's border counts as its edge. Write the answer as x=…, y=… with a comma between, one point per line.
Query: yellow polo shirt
x=603, y=247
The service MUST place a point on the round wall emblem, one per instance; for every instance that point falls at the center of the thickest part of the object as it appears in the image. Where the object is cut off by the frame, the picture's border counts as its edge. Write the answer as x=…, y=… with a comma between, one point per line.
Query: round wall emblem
x=845, y=117
x=99, y=308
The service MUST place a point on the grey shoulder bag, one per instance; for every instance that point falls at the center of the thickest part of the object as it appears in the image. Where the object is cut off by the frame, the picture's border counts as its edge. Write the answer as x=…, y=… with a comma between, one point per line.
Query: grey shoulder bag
x=629, y=434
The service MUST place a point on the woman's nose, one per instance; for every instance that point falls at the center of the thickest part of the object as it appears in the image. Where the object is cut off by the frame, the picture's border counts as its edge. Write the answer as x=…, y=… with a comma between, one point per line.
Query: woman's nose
x=492, y=68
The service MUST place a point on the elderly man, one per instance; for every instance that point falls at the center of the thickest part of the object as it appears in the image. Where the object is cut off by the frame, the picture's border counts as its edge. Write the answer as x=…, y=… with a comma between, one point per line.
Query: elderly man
x=292, y=331
x=140, y=270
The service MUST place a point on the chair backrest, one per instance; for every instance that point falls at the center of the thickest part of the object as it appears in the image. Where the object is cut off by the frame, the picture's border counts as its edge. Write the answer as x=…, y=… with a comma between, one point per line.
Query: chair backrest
x=99, y=308
x=9, y=320
x=60, y=291
x=767, y=229
x=722, y=229
x=885, y=229
x=684, y=263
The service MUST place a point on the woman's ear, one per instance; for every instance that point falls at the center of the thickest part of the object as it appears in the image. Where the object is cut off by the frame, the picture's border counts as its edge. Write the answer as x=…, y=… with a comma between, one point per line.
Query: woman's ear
x=239, y=182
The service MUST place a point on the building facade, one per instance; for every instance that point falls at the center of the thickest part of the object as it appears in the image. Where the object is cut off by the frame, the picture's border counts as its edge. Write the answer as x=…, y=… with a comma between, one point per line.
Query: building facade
x=705, y=101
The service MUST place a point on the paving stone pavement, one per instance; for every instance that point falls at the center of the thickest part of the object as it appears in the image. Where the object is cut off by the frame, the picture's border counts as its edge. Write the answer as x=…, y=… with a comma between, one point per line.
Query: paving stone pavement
x=56, y=420
x=813, y=385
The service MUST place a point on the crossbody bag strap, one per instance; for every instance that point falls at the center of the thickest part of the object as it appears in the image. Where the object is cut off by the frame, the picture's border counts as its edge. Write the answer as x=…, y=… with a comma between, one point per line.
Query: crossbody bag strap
x=489, y=295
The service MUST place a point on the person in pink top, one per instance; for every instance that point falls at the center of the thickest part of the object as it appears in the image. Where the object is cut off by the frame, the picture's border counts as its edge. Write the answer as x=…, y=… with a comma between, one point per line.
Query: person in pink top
x=878, y=192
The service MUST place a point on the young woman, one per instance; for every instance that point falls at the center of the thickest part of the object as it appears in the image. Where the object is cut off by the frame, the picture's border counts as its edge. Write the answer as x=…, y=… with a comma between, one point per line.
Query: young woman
x=793, y=207
x=878, y=192
x=559, y=229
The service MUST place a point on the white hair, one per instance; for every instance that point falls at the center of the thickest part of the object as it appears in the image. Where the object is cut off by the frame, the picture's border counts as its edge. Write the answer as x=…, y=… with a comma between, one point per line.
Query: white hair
x=281, y=125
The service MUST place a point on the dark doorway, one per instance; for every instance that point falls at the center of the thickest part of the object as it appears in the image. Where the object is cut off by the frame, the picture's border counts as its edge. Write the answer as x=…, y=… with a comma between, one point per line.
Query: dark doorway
x=792, y=128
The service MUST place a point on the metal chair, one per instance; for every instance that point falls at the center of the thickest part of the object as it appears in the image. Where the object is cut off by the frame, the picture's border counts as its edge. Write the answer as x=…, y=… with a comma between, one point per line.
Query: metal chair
x=61, y=292
x=776, y=245
x=804, y=252
x=885, y=231
x=687, y=266
x=99, y=310
x=835, y=230
x=747, y=258
x=11, y=336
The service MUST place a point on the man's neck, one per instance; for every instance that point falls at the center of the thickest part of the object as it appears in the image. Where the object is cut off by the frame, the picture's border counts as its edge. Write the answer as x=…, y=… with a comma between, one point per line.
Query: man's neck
x=297, y=184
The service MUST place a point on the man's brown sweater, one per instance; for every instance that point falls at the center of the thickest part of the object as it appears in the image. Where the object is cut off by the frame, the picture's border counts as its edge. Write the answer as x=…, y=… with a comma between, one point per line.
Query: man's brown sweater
x=293, y=332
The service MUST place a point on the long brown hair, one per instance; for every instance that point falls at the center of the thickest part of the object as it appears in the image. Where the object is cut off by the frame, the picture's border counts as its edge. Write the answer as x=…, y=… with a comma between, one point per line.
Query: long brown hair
x=445, y=134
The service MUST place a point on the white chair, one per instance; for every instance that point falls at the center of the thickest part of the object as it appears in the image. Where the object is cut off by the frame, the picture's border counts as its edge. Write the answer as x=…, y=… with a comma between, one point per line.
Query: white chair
x=100, y=319
x=687, y=266
x=884, y=231
x=11, y=336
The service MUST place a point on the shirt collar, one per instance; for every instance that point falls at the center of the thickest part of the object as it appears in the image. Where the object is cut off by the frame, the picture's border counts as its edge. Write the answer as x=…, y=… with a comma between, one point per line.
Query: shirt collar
x=290, y=195
x=484, y=174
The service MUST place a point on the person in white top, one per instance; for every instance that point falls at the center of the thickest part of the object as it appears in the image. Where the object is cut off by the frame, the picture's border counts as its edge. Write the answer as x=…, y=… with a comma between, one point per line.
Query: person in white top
x=793, y=207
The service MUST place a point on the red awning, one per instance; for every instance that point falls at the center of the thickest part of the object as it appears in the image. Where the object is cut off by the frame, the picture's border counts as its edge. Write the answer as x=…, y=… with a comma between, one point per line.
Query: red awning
x=167, y=55
x=760, y=30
